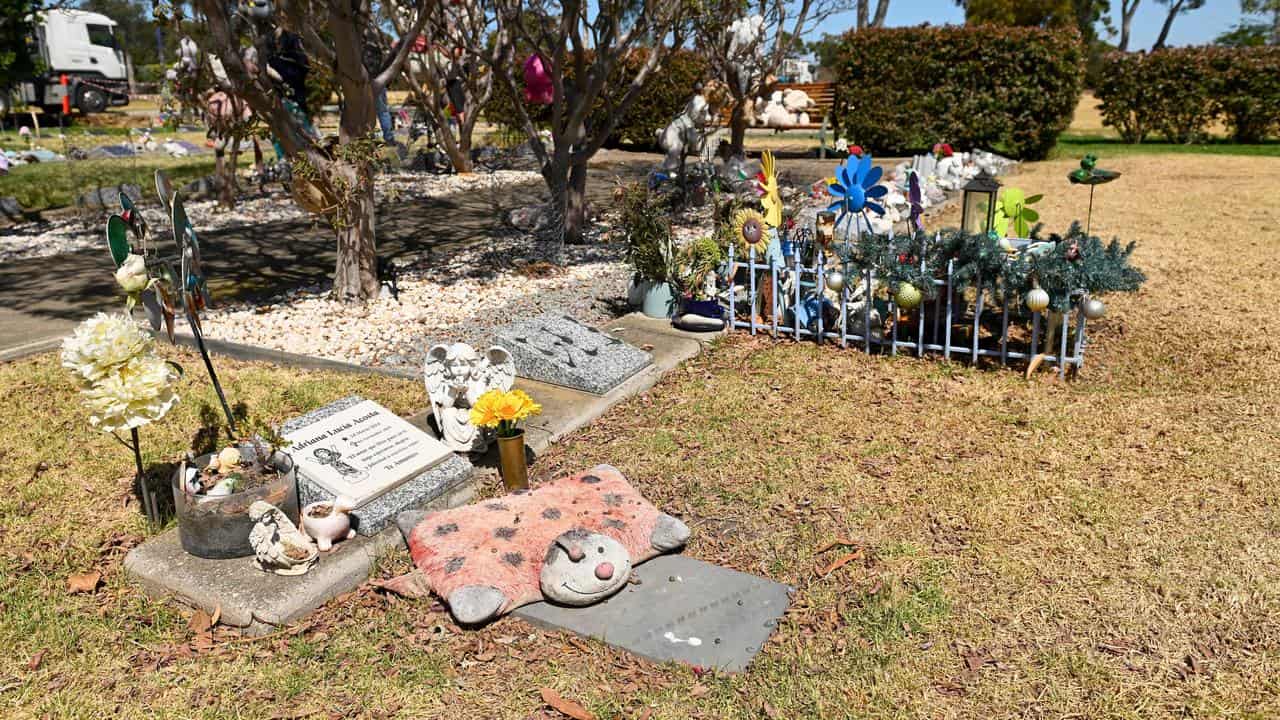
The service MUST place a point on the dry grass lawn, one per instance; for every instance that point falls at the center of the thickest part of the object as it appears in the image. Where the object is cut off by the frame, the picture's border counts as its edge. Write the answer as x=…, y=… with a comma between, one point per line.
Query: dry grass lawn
x=1103, y=548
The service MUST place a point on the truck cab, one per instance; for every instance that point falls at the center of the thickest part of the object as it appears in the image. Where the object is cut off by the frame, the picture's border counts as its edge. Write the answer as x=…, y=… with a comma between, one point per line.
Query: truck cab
x=82, y=60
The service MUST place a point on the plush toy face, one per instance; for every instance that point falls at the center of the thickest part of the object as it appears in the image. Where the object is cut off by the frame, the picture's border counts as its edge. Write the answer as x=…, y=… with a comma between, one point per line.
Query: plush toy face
x=582, y=568
x=572, y=541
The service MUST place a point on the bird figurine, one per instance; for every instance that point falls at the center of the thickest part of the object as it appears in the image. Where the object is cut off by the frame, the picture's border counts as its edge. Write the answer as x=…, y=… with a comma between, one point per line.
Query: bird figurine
x=1090, y=174
x=279, y=546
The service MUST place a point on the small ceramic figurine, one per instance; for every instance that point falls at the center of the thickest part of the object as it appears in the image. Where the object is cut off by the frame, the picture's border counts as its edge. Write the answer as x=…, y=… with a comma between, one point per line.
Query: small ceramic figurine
x=328, y=521
x=278, y=546
x=684, y=134
x=456, y=376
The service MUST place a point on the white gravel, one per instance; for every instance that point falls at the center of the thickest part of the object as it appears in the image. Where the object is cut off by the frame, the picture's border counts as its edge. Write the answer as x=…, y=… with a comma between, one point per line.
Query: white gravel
x=463, y=297
x=87, y=231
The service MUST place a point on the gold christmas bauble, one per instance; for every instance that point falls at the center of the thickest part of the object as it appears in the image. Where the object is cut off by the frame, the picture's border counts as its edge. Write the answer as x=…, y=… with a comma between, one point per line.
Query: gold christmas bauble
x=1037, y=300
x=907, y=296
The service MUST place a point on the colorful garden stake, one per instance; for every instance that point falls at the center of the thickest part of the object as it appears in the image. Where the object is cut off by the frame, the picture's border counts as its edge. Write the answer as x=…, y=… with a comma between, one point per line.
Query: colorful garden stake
x=1090, y=174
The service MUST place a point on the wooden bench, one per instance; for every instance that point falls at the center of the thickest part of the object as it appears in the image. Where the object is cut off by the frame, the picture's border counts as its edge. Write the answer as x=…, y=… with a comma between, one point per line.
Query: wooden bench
x=823, y=95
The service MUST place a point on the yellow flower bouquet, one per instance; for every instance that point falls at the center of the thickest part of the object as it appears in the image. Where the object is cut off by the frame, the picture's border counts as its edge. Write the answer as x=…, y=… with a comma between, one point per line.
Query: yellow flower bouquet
x=502, y=410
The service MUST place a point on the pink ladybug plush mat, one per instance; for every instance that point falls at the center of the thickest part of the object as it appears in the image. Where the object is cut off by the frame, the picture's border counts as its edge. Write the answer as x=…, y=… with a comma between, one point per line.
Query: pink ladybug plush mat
x=498, y=547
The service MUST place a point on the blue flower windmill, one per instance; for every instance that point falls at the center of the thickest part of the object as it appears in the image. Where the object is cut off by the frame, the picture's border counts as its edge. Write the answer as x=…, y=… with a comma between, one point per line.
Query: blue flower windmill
x=855, y=190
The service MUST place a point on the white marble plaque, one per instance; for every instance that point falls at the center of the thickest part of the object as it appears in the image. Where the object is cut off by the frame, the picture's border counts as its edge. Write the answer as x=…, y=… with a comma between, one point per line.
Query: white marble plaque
x=361, y=451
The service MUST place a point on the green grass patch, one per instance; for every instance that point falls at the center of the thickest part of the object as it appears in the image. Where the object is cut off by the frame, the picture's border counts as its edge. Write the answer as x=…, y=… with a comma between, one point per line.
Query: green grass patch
x=1073, y=146
x=44, y=186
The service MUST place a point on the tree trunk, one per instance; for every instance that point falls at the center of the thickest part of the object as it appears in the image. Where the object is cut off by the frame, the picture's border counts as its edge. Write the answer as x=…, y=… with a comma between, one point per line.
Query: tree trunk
x=882, y=9
x=575, y=202
x=224, y=173
x=1127, y=9
x=355, y=278
x=738, y=128
x=863, y=14
x=1174, y=9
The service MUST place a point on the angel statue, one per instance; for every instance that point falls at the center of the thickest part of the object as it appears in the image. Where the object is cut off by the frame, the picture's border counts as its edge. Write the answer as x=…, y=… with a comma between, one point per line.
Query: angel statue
x=456, y=376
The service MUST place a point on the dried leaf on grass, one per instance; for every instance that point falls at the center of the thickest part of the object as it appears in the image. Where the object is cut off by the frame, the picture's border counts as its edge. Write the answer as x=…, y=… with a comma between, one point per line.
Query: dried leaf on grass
x=84, y=583
x=565, y=707
x=841, y=562
x=34, y=663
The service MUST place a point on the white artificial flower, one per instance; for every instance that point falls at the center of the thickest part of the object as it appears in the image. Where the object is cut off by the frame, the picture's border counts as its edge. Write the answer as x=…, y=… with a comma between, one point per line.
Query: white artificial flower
x=842, y=145
x=138, y=392
x=101, y=344
x=132, y=274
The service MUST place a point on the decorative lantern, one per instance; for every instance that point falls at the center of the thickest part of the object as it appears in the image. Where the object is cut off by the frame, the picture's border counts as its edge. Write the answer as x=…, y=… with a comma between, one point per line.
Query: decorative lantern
x=978, y=215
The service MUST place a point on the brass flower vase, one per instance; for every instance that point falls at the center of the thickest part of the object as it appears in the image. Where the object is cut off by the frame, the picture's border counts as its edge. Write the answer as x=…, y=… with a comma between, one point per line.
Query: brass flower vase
x=515, y=473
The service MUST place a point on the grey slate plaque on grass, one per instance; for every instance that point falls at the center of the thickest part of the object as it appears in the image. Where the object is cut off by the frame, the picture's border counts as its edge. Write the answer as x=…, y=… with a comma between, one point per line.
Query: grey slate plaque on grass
x=417, y=491
x=559, y=350
x=684, y=610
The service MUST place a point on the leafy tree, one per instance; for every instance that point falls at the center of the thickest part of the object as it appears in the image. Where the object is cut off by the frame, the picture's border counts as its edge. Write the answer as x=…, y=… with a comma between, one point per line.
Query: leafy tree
x=1246, y=33
x=331, y=177
x=16, y=61
x=584, y=45
x=746, y=70
x=1265, y=7
x=1176, y=8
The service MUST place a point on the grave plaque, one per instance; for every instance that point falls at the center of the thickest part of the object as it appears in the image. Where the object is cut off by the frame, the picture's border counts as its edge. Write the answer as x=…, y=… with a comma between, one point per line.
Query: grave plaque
x=357, y=448
x=559, y=350
x=683, y=609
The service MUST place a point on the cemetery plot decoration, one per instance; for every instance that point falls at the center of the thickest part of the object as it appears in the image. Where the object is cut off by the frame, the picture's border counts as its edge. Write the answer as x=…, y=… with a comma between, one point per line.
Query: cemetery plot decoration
x=502, y=411
x=125, y=385
x=1090, y=174
x=456, y=376
x=918, y=284
x=572, y=541
x=214, y=494
x=910, y=292
x=147, y=276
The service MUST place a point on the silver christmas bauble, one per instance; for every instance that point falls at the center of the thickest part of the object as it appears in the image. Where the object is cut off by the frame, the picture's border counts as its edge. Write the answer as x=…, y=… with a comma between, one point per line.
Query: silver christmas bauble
x=835, y=281
x=1094, y=308
x=1037, y=299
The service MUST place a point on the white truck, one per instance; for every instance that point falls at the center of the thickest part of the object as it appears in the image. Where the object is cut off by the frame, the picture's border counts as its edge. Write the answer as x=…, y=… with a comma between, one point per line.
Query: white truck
x=80, y=58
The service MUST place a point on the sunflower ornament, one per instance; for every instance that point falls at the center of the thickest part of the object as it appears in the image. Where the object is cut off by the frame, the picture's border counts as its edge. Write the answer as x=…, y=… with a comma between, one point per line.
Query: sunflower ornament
x=767, y=189
x=750, y=231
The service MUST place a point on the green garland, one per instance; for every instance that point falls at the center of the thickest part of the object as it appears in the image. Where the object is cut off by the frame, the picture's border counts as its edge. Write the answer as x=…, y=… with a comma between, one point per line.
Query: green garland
x=894, y=260
x=1065, y=266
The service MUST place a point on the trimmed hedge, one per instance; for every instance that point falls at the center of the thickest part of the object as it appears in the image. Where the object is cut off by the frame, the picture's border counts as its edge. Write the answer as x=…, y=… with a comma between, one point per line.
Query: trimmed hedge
x=1178, y=92
x=663, y=96
x=1014, y=89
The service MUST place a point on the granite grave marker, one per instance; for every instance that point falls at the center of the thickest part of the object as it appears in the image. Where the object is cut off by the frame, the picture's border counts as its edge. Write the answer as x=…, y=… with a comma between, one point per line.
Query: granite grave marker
x=559, y=350
x=357, y=448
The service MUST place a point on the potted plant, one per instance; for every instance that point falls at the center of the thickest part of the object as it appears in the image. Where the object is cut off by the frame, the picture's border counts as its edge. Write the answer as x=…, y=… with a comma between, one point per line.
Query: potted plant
x=650, y=250
x=212, y=494
x=695, y=265
x=502, y=411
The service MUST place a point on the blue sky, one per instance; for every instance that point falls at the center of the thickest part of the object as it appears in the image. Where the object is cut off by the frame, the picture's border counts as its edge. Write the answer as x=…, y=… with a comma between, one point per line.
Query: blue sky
x=1195, y=28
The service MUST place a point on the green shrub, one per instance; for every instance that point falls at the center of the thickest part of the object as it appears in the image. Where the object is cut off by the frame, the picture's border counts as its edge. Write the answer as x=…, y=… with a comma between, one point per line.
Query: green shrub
x=1178, y=92
x=662, y=97
x=1247, y=87
x=901, y=90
